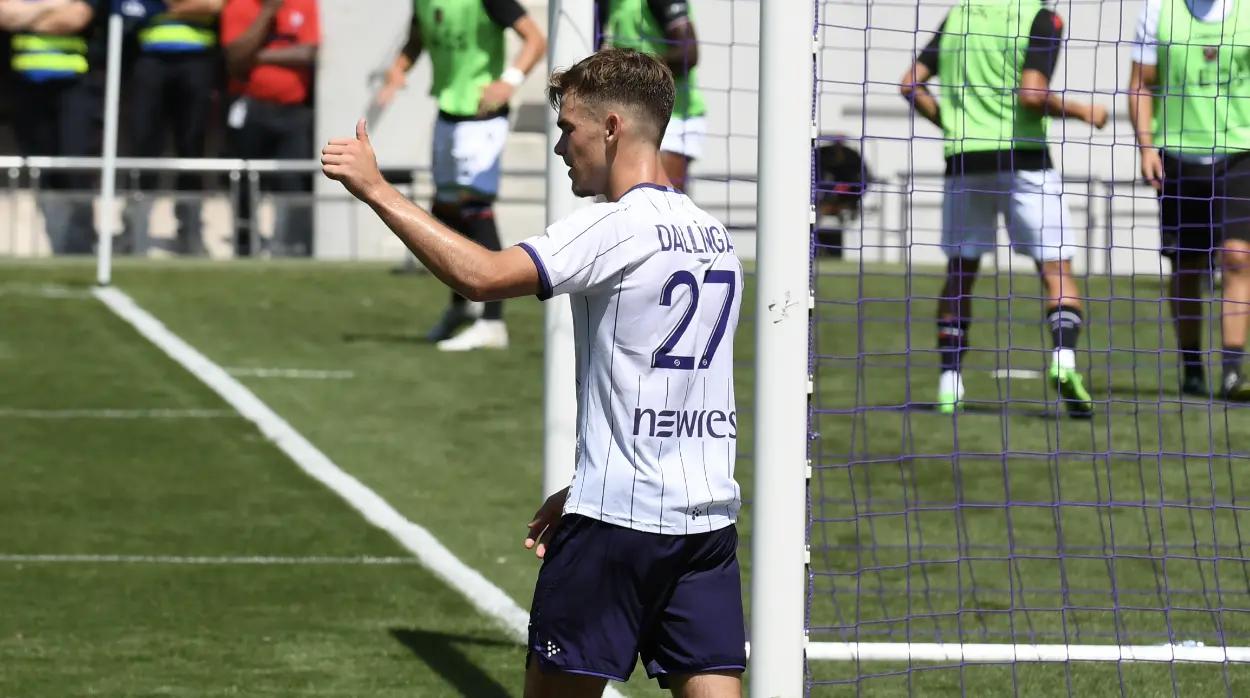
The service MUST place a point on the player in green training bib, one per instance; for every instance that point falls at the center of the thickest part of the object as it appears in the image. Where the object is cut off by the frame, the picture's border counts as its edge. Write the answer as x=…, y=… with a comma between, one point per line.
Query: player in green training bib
x=665, y=29
x=1189, y=99
x=994, y=60
x=465, y=40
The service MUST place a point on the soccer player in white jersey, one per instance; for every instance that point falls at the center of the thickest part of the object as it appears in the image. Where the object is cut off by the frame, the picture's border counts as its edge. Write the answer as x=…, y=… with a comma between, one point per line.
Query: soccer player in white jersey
x=639, y=553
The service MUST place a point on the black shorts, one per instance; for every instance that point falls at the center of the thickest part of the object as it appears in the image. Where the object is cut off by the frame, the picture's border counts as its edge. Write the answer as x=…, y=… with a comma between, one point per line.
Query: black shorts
x=1203, y=205
x=607, y=594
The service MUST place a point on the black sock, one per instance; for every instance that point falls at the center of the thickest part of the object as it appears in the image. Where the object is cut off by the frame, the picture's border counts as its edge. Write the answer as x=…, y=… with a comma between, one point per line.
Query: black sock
x=952, y=343
x=449, y=215
x=479, y=225
x=1231, y=359
x=1065, y=326
x=1193, y=362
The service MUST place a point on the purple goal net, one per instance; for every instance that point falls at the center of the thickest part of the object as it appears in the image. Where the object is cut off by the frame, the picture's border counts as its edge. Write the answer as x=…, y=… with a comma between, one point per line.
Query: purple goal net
x=1006, y=499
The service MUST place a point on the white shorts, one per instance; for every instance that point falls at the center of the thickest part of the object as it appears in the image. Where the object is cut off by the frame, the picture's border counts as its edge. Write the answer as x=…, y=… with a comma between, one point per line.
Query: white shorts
x=466, y=157
x=1038, y=222
x=685, y=136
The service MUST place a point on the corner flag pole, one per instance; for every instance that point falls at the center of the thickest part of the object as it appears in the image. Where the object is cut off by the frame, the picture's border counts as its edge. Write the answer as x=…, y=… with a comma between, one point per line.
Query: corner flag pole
x=108, y=173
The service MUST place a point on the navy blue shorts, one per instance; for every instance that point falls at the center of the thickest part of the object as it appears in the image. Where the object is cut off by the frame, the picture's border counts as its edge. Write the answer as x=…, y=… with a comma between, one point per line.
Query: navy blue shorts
x=607, y=594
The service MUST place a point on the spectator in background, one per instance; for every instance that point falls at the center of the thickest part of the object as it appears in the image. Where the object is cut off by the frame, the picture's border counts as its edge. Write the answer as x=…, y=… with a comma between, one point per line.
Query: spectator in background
x=59, y=51
x=271, y=50
x=665, y=29
x=171, y=87
x=465, y=40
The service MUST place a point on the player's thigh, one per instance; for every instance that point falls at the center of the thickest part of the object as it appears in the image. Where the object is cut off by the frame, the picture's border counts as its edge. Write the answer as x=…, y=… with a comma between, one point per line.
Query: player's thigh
x=555, y=684
x=442, y=161
x=970, y=207
x=1234, y=191
x=476, y=148
x=589, y=600
x=1191, y=212
x=726, y=684
x=1038, y=220
x=685, y=137
x=699, y=628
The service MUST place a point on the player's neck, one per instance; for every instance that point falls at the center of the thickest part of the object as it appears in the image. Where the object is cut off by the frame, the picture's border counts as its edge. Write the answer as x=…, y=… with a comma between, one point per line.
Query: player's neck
x=628, y=170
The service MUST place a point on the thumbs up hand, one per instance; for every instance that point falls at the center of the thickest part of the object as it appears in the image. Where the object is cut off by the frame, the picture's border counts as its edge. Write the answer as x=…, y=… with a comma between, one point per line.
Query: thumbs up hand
x=353, y=162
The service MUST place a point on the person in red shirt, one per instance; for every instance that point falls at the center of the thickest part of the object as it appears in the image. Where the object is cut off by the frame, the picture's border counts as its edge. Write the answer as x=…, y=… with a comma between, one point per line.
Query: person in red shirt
x=271, y=52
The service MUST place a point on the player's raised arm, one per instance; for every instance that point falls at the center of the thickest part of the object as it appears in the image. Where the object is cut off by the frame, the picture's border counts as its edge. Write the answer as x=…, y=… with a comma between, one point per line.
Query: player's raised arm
x=467, y=267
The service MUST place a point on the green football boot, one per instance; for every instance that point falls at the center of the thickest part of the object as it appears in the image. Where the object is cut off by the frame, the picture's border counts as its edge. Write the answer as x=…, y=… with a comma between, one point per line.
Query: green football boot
x=1071, y=388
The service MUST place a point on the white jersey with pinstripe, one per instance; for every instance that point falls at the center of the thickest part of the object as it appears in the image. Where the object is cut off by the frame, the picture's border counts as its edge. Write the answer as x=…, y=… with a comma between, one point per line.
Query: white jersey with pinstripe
x=656, y=288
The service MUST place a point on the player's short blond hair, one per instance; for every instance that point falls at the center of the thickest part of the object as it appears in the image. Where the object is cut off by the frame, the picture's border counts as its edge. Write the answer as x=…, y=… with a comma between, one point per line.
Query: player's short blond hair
x=622, y=77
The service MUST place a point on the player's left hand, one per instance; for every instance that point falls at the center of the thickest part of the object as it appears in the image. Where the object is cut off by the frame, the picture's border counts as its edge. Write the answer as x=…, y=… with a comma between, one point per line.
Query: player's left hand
x=495, y=96
x=1098, y=116
x=546, y=521
x=353, y=162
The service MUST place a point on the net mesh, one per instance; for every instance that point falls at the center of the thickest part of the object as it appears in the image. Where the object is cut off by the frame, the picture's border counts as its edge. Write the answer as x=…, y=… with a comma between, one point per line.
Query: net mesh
x=1008, y=523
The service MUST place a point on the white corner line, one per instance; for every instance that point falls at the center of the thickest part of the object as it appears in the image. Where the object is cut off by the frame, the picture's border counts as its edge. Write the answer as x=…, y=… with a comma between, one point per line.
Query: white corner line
x=110, y=413
x=293, y=373
x=205, y=561
x=479, y=591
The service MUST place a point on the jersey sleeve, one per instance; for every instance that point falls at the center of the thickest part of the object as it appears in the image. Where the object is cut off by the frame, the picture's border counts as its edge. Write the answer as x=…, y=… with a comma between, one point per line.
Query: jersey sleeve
x=668, y=12
x=1146, y=46
x=584, y=252
x=504, y=13
x=929, y=54
x=1045, y=43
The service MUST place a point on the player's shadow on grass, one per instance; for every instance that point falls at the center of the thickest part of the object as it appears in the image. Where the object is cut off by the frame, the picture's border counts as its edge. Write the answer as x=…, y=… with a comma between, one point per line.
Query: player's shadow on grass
x=439, y=651
x=384, y=338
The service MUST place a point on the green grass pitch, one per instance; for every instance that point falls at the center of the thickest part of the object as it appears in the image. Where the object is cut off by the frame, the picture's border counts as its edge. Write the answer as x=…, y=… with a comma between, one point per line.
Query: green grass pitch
x=453, y=442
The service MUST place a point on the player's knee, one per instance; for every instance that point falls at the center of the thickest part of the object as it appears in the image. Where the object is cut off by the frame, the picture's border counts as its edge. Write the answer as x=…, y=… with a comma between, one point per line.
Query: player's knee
x=963, y=266
x=1236, y=262
x=448, y=212
x=476, y=209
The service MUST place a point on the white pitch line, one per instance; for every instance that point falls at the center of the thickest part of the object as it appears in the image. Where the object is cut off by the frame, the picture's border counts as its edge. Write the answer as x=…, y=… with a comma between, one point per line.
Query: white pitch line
x=295, y=373
x=479, y=591
x=44, y=291
x=209, y=560
x=155, y=413
x=1016, y=373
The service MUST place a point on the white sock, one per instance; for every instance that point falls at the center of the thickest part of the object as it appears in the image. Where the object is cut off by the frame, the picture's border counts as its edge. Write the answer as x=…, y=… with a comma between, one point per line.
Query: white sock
x=950, y=382
x=1064, y=358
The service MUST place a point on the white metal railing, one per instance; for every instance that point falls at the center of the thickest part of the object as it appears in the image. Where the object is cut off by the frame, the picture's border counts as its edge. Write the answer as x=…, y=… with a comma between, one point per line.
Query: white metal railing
x=244, y=177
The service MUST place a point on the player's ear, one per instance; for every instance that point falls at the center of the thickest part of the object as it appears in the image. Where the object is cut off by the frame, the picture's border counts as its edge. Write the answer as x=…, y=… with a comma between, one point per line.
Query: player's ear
x=612, y=127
